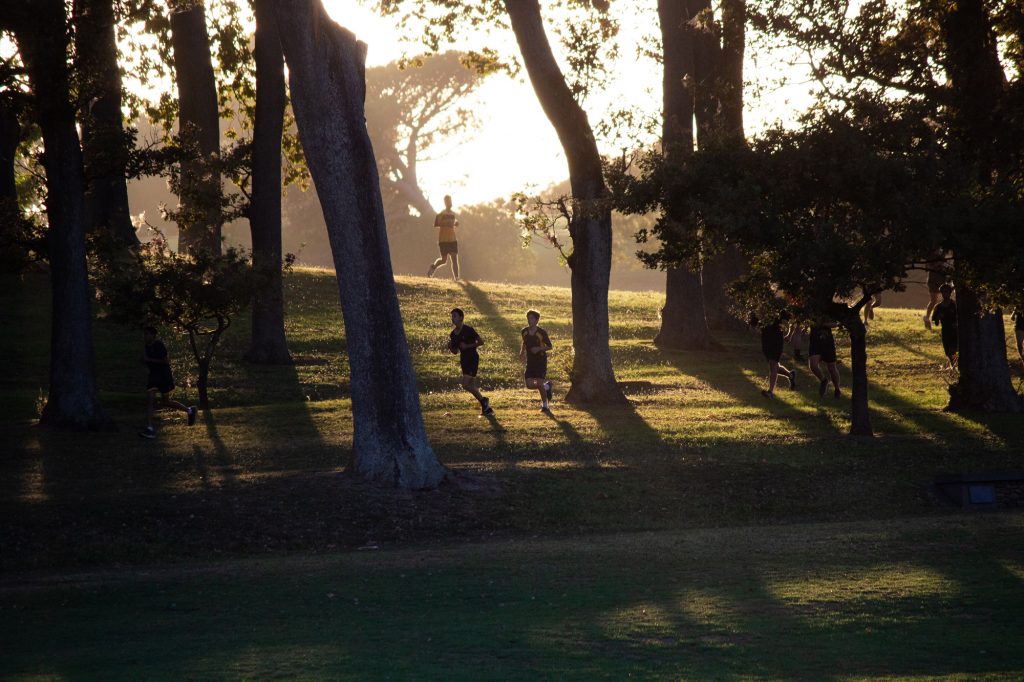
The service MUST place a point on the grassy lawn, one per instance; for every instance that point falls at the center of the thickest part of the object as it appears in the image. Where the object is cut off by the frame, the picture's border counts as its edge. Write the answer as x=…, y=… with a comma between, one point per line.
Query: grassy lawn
x=701, y=533
x=909, y=599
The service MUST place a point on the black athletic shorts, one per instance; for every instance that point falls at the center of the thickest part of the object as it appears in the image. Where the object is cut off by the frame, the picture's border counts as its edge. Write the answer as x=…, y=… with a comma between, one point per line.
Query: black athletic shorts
x=824, y=346
x=448, y=248
x=470, y=363
x=771, y=345
x=536, y=366
x=164, y=384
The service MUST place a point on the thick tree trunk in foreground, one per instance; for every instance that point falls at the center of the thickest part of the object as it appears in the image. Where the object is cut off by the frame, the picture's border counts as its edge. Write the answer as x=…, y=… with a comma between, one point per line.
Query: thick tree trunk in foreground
x=72, y=400
x=198, y=113
x=683, y=321
x=103, y=140
x=984, y=382
x=327, y=81
x=269, y=345
x=593, y=379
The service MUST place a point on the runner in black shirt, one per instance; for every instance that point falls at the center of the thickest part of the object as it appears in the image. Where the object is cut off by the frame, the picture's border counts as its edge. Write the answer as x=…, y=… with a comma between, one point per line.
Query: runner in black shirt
x=534, y=351
x=944, y=314
x=464, y=340
x=160, y=380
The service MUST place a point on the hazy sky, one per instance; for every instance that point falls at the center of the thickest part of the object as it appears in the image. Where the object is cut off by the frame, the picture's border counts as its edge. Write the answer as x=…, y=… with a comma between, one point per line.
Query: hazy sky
x=516, y=147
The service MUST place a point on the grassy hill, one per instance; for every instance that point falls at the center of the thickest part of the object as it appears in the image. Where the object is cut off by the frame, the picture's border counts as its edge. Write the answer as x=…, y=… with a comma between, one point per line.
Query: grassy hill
x=701, y=533
x=698, y=447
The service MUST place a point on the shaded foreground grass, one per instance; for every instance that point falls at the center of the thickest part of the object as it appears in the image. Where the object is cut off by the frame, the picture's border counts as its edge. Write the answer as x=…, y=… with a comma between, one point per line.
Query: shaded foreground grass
x=923, y=598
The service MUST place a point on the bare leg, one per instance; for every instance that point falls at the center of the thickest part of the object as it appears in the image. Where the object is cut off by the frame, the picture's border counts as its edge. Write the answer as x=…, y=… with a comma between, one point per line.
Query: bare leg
x=150, y=399
x=815, y=364
x=773, y=375
x=934, y=301
x=469, y=383
x=455, y=265
x=834, y=373
x=171, y=402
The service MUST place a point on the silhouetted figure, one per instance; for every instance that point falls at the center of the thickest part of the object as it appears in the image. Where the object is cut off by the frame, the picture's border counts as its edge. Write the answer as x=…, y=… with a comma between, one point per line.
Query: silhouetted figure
x=1018, y=332
x=936, y=278
x=773, y=338
x=464, y=340
x=154, y=356
x=534, y=351
x=823, y=350
x=944, y=315
x=447, y=242
x=797, y=336
x=869, y=308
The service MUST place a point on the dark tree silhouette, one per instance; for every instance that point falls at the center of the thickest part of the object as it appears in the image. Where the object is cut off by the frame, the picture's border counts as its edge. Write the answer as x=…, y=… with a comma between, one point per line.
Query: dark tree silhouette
x=42, y=37
x=199, y=120
x=268, y=338
x=104, y=144
x=327, y=83
x=683, y=319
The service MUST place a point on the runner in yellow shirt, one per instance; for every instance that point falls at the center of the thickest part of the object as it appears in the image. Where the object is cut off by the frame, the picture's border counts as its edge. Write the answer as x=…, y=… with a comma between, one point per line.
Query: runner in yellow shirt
x=447, y=243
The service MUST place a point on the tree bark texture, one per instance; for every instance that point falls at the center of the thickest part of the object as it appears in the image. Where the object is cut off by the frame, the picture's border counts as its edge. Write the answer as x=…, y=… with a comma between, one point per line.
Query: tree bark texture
x=103, y=140
x=684, y=323
x=268, y=345
x=719, y=114
x=72, y=401
x=327, y=82
x=978, y=86
x=984, y=382
x=198, y=116
x=593, y=378
x=10, y=137
x=860, y=414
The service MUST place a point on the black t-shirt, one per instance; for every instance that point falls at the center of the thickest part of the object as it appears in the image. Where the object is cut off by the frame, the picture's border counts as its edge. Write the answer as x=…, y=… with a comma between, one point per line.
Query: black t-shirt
x=1018, y=319
x=465, y=335
x=158, y=351
x=533, y=341
x=945, y=315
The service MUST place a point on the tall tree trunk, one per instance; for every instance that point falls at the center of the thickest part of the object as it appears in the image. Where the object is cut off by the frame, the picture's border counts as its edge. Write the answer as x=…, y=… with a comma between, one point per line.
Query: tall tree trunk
x=978, y=85
x=984, y=382
x=72, y=401
x=327, y=80
x=860, y=415
x=683, y=322
x=198, y=119
x=719, y=69
x=593, y=379
x=103, y=140
x=269, y=345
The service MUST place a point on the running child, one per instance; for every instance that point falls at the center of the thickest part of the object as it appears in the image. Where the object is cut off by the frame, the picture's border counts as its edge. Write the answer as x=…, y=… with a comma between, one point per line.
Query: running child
x=154, y=356
x=823, y=350
x=534, y=351
x=464, y=340
x=772, y=341
x=447, y=242
x=945, y=316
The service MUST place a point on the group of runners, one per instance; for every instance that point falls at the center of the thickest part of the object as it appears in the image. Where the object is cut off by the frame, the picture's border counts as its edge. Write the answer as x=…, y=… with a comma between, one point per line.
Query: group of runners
x=536, y=344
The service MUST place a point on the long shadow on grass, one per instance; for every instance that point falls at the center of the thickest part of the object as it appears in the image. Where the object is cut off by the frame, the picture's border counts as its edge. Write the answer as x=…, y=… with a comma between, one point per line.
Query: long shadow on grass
x=506, y=330
x=725, y=373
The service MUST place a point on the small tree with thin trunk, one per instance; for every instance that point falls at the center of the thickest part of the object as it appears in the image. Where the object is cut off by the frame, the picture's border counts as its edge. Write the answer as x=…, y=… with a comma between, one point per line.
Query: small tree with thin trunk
x=198, y=294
